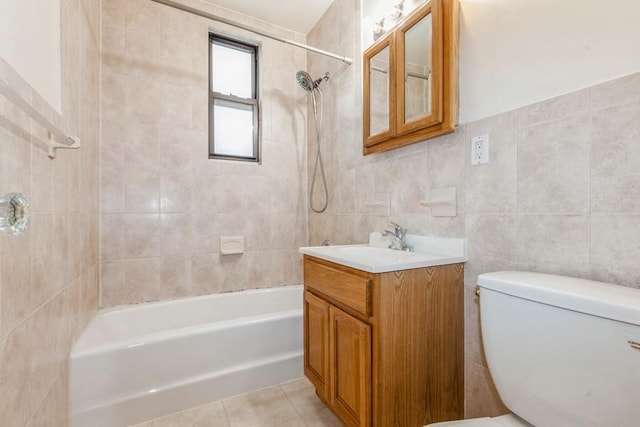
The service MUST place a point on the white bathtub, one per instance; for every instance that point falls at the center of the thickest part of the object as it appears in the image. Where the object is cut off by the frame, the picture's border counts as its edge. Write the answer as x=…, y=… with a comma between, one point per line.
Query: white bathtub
x=142, y=362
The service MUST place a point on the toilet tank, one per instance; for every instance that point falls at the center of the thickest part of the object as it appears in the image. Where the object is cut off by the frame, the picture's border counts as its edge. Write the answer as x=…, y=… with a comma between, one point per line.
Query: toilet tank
x=563, y=351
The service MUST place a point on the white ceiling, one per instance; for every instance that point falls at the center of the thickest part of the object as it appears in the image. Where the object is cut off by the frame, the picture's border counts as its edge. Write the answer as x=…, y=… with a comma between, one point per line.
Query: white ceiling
x=296, y=15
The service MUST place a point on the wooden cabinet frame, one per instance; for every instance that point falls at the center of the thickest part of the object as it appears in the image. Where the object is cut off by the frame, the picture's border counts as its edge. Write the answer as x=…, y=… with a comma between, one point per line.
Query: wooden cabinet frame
x=337, y=359
x=350, y=368
x=316, y=343
x=387, y=42
x=397, y=359
x=444, y=80
x=403, y=128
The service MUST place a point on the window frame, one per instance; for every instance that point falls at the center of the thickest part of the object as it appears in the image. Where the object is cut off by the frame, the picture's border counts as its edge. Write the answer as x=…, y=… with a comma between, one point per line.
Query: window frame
x=253, y=102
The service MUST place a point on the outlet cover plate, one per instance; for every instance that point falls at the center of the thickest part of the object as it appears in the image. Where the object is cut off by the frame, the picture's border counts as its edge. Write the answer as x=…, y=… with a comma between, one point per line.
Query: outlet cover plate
x=480, y=150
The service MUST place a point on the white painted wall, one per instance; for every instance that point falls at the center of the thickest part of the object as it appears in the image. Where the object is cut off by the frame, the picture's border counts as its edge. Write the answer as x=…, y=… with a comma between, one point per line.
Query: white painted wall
x=518, y=52
x=30, y=43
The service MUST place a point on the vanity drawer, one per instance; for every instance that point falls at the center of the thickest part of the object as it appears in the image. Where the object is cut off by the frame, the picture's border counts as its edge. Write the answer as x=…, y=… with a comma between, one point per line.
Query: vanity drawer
x=336, y=283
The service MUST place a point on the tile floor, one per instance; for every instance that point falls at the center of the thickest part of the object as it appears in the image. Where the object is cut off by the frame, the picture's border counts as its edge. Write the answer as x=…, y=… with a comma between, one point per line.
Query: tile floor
x=290, y=404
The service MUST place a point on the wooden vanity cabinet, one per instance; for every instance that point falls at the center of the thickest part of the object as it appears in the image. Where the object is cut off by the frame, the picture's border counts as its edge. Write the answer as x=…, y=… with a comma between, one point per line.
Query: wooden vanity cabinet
x=385, y=349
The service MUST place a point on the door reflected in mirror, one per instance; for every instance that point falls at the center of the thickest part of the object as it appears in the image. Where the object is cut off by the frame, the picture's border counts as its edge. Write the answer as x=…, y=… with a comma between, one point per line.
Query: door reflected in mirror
x=379, y=96
x=417, y=70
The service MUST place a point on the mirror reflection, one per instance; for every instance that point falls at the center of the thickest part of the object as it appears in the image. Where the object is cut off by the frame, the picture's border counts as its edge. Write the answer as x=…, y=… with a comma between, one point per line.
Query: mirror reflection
x=379, y=96
x=417, y=74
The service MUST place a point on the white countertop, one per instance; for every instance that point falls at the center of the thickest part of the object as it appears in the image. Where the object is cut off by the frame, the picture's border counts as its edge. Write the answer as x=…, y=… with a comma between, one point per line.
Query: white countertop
x=429, y=251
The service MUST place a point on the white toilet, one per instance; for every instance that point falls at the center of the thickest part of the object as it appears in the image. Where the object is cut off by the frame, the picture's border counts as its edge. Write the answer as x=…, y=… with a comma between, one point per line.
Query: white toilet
x=561, y=351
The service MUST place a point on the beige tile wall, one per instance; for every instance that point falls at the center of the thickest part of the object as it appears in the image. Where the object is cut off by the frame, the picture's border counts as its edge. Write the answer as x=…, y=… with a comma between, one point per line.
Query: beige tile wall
x=561, y=193
x=164, y=204
x=49, y=276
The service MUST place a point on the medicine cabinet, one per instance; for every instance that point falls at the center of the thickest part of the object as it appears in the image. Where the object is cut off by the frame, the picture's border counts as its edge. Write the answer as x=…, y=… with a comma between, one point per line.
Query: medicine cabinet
x=410, y=87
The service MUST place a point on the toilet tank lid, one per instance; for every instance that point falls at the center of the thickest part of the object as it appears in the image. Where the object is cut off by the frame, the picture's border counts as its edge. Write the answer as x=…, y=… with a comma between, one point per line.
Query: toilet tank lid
x=586, y=296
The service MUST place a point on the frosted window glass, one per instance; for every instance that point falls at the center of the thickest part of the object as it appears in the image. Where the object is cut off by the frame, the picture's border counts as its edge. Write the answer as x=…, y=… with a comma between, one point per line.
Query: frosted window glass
x=234, y=103
x=233, y=129
x=232, y=71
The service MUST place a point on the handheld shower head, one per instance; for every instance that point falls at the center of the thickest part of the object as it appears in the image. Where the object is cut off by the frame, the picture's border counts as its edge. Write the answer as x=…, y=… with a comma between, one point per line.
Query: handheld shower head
x=311, y=86
x=307, y=83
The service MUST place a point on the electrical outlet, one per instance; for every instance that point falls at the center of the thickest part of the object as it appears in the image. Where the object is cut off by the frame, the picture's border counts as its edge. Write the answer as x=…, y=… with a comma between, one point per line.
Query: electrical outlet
x=480, y=149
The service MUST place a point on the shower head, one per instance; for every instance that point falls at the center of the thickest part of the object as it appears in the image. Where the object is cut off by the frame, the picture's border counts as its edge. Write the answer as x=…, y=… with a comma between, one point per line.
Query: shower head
x=307, y=83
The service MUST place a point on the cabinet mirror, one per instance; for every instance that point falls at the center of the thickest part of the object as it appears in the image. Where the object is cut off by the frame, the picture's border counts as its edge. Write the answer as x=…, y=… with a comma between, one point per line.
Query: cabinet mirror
x=419, y=58
x=417, y=71
x=378, y=101
x=410, y=79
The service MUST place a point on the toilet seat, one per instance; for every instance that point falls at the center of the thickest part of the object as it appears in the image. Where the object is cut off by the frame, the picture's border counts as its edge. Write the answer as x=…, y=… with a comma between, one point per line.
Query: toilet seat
x=509, y=420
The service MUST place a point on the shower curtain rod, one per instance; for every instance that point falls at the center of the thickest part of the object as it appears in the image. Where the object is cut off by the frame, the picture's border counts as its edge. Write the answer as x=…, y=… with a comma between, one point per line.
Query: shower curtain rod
x=198, y=12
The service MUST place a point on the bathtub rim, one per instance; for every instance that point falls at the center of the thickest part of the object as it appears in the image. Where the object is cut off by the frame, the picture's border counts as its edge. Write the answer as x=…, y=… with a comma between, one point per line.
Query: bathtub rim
x=201, y=328
x=109, y=311
x=156, y=337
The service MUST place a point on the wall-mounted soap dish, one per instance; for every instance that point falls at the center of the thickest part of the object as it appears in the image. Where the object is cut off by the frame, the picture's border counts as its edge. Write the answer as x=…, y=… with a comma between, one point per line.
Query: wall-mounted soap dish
x=443, y=202
x=231, y=245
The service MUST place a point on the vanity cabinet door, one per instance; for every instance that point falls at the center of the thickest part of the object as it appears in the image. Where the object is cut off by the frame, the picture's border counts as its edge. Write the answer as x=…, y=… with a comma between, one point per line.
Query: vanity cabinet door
x=316, y=342
x=350, y=368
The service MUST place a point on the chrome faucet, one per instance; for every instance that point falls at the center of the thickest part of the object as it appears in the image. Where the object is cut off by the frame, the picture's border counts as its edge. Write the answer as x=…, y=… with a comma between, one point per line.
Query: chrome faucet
x=398, y=236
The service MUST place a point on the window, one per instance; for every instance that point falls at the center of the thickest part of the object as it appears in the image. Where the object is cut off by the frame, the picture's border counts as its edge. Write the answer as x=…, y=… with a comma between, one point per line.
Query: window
x=234, y=125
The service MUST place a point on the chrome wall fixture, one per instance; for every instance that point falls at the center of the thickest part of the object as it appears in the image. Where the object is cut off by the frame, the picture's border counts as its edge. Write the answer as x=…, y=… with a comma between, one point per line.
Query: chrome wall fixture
x=199, y=12
x=392, y=19
x=14, y=213
x=57, y=138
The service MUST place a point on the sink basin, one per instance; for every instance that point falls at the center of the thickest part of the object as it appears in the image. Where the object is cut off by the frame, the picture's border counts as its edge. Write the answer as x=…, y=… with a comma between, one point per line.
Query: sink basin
x=374, y=252
x=428, y=251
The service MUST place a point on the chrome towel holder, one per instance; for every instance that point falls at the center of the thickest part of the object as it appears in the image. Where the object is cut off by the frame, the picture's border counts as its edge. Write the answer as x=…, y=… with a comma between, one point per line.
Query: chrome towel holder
x=57, y=138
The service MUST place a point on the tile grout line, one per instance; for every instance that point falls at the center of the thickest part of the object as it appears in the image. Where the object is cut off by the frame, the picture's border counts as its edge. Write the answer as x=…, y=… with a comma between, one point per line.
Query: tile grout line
x=44, y=398
x=590, y=178
x=226, y=413
x=515, y=198
x=295, y=408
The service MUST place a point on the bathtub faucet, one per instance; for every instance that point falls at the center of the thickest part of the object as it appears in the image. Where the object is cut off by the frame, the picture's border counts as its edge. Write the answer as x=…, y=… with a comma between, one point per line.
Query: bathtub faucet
x=398, y=236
